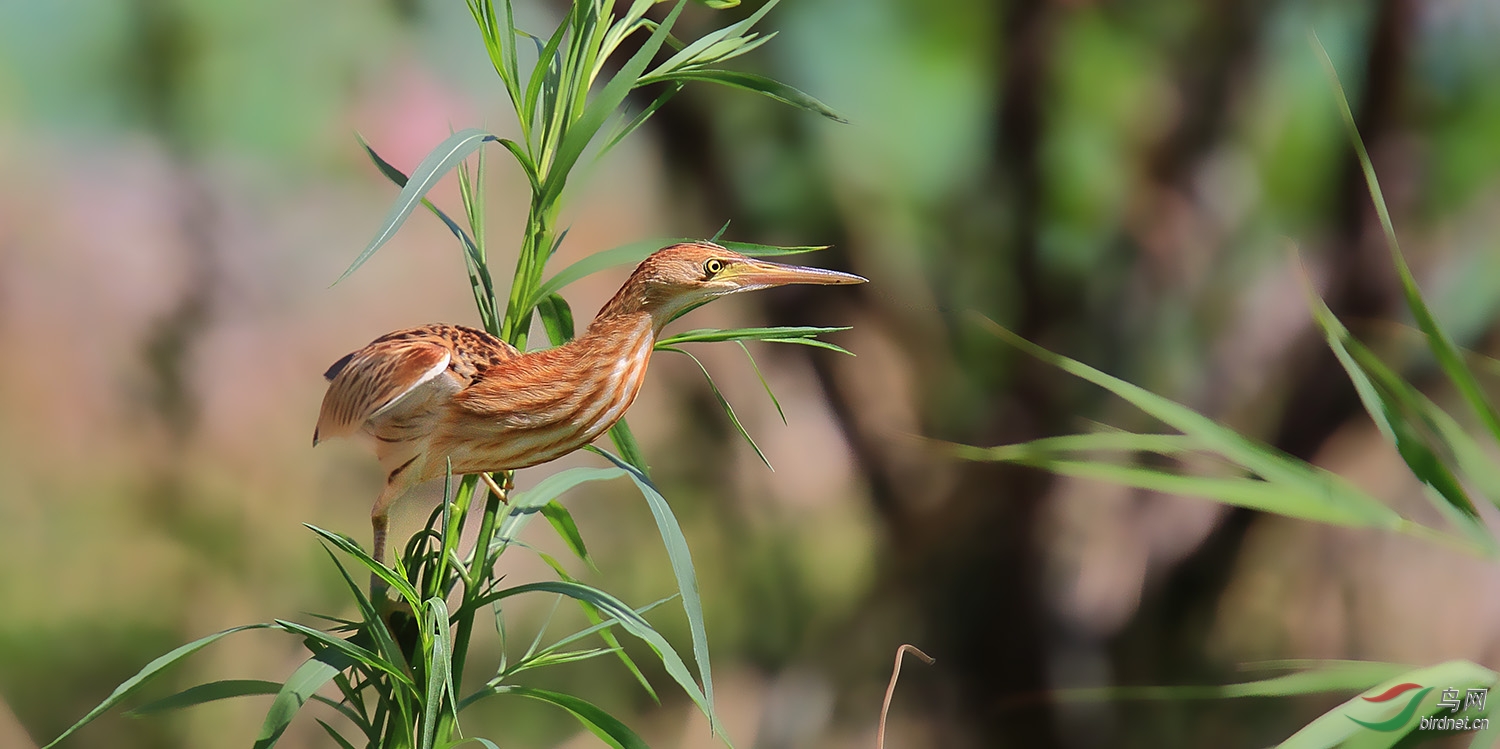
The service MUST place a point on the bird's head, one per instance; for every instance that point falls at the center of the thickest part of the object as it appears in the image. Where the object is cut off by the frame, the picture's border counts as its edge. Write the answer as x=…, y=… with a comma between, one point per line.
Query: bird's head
x=678, y=278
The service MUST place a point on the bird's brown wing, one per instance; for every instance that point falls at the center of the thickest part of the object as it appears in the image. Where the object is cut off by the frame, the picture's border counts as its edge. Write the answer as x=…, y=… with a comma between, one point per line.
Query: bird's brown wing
x=399, y=379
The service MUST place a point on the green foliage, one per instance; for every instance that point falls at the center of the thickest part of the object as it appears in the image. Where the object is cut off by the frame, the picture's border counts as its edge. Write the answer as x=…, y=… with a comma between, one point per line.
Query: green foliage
x=400, y=666
x=1436, y=449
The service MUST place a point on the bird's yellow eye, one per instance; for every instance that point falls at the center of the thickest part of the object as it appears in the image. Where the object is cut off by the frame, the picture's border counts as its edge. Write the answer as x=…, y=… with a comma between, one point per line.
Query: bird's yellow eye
x=712, y=267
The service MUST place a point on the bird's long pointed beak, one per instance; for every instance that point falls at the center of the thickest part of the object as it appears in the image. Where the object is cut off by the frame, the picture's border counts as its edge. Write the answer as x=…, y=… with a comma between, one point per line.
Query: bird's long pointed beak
x=760, y=274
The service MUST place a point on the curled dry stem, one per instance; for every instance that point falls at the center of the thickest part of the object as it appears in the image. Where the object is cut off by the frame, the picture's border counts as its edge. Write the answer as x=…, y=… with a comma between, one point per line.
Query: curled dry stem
x=890, y=689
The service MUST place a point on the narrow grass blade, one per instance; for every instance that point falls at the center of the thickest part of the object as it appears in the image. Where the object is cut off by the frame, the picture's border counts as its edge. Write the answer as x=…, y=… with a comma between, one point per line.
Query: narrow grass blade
x=603, y=627
x=479, y=277
x=374, y=626
x=1350, y=719
x=148, y=672
x=766, y=250
x=1448, y=356
x=630, y=450
x=335, y=735
x=397, y=582
x=600, y=625
x=631, y=253
x=1332, y=676
x=557, y=318
x=804, y=335
x=604, y=104
x=432, y=168
x=439, y=671
x=758, y=84
x=562, y=521
x=226, y=689
x=213, y=691
x=557, y=658
x=763, y=382
x=547, y=66
x=698, y=49
x=1397, y=409
x=723, y=403
x=361, y=655
x=1112, y=441
x=687, y=578
x=635, y=123
x=629, y=621
x=607, y=727
x=523, y=505
x=298, y=689
x=1325, y=494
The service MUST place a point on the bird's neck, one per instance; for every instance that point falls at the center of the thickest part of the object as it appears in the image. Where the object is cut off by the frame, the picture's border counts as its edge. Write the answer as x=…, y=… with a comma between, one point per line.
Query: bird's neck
x=635, y=301
x=620, y=334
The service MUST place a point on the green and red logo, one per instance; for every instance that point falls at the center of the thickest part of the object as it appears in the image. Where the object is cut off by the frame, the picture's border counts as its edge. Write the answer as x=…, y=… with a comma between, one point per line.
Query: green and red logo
x=1401, y=719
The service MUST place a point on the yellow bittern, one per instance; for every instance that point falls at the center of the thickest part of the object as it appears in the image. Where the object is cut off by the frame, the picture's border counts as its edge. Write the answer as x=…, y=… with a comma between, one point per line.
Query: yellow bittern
x=438, y=393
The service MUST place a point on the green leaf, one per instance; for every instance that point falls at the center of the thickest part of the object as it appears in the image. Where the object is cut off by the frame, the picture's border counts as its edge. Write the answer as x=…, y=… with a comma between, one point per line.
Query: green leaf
x=758, y=84
x=1399, y=413
x=698, y=50
x=785, y=334
x=229, y=689
x=298, y=689
x=1443, y=348
x=210, y=692
x=1322, y=677
x=723, y=403
x=399, y=583
x=631, y=253
x=335, y=735
x=373, y=626
x=608, y=728
x=437, y=163
x=562, y=522
x=1341, y=724
x=439, y=670
x=604, y=104
x=630, y=450
x=1250, y=493
x=547, y=68
x=1113, y=441
x=1319, y=493
x=479, y=277
x=640, y=119
x=687, y=579
x=148, y=672
x=557, y=658
x=557, y=318
x=629, y=621
x=763, y=382
x=600, y=625
x=349, y=649
x=525, y=504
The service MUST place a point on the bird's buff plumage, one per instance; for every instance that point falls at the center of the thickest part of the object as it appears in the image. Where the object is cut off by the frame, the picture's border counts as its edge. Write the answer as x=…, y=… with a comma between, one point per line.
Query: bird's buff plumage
x=438, y=393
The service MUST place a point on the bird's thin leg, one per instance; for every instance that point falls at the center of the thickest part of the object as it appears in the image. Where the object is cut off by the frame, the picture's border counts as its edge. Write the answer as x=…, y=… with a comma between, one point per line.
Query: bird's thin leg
x=379, y=523
x=494, y=487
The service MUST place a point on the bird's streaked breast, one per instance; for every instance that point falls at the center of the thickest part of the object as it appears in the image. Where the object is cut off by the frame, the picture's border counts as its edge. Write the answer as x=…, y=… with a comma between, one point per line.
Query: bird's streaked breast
x=600, y=382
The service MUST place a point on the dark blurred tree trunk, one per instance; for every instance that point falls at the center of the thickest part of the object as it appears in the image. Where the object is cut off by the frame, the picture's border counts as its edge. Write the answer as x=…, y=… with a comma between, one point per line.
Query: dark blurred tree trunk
x=1165, y=641
x=972, y=567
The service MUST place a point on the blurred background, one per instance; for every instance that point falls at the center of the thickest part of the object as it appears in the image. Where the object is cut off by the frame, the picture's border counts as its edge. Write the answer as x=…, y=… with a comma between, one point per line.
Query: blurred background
x=1120, y=181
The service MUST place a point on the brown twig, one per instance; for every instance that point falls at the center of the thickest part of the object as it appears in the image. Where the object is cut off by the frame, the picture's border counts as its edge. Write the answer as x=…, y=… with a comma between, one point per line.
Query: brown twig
x=890, y=689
